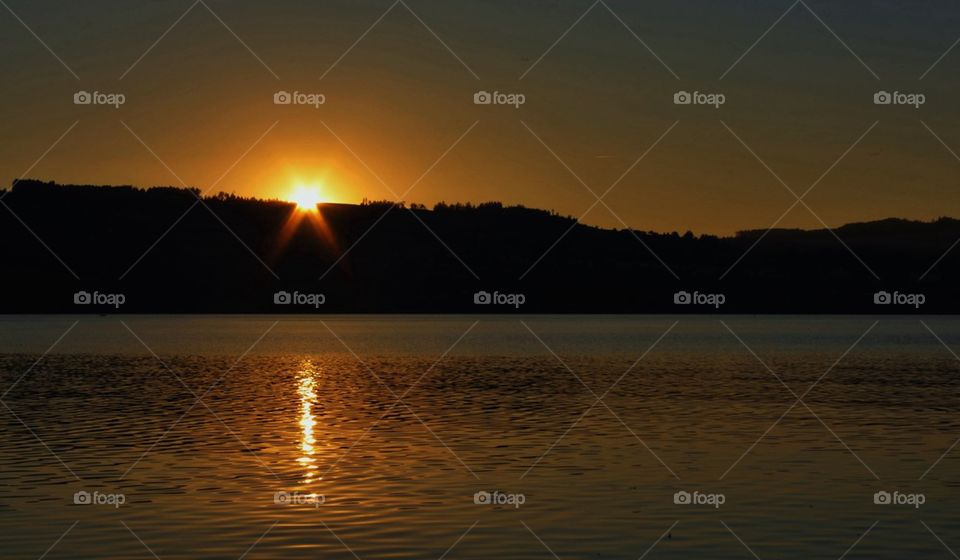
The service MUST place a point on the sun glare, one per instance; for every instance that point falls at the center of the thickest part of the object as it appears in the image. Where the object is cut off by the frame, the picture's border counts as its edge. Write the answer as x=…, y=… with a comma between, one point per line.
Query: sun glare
x=306, y=197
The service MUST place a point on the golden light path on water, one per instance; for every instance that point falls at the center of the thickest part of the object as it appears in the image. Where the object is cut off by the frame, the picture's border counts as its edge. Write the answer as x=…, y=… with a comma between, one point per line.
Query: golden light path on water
x=308, y=397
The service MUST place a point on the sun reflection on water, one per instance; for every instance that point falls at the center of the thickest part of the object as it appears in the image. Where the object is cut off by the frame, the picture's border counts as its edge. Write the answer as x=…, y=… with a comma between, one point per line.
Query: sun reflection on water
x=308, y=398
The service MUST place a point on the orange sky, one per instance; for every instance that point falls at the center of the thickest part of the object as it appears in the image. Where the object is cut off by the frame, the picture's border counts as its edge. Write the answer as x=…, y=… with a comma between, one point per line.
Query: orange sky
x=399, y=100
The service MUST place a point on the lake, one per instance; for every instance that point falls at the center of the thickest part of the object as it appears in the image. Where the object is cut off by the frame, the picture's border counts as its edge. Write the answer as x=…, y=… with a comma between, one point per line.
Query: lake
x=527, y=437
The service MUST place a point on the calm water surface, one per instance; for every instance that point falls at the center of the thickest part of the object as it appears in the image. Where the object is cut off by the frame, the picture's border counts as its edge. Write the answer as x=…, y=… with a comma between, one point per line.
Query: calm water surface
x=371, y=437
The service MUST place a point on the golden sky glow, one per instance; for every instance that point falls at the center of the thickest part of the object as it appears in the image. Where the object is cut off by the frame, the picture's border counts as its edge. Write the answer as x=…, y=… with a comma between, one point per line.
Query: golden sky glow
x=397, y=107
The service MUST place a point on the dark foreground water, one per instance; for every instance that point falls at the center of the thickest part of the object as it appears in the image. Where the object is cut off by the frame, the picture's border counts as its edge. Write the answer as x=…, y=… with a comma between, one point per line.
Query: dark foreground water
x=389, y=437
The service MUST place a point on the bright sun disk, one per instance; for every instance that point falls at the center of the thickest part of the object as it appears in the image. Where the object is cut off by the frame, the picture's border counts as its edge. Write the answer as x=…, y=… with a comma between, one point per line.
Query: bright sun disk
x=306, y=197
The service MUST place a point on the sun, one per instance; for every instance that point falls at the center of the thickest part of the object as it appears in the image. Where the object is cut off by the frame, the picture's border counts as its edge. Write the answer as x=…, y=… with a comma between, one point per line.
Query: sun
x=306, y=197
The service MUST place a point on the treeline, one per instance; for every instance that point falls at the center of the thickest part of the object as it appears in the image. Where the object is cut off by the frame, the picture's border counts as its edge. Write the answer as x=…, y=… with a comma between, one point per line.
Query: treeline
x=167, y=253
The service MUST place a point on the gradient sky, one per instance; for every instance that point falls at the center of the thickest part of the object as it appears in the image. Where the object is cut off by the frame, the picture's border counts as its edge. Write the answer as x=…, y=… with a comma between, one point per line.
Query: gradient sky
x=599, y=99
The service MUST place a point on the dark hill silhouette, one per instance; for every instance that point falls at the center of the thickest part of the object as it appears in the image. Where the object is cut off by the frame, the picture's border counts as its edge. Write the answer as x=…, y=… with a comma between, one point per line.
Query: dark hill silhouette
x=398, y=265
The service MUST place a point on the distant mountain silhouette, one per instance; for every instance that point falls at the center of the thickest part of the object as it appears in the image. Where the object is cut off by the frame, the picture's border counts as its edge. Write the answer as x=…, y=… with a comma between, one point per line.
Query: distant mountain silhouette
x=165, y=251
